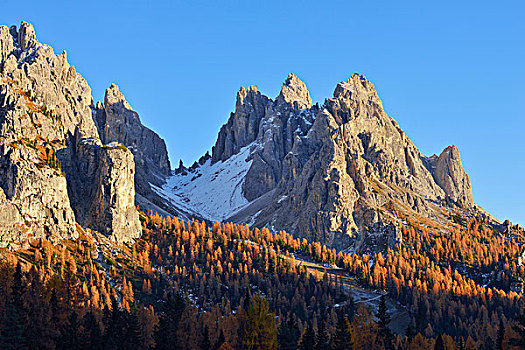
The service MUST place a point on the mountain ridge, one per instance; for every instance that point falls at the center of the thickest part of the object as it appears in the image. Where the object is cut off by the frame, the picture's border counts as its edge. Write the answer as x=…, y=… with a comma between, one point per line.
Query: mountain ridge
x=339, y=172
x=292, y=139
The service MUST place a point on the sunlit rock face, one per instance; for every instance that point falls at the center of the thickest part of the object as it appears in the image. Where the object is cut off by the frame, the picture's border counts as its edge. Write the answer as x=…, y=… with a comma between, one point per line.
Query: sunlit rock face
x=46, y=113
x=340, y=172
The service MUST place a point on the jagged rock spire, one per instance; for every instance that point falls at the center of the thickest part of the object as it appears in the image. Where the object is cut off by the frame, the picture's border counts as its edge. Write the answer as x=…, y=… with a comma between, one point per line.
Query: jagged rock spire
x=295, y=93
x=97, y=189
x=119, y=122
x=26, y=36
x=450, y=175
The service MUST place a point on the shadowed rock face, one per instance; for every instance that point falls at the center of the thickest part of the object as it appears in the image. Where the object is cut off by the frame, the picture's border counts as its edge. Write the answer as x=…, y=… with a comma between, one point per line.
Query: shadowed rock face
x=101, y=188
x=116, y=121
x=336, y=171
x=44, y=103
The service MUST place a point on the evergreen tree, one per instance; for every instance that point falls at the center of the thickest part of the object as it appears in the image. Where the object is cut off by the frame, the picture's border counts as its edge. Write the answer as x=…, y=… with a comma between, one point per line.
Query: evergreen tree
x=322, y=341
x=439, y=345
x=55, y=319
x=342, y=338
x=488, y=344
x=92, y=332
x=12, y=331
x=420, y=317
x=205, y=342
x=409, y=333
x=247, y=299
x=221, y=340
x=383, y=320
x=18, y=291
x=288, y=334
x=70, y=338
x=131, y=330
x=260, y=332
x=461, y=345
x=500, y=335
x=166, y=330
x=113, y=324
x=308, y=341
x=520, y=329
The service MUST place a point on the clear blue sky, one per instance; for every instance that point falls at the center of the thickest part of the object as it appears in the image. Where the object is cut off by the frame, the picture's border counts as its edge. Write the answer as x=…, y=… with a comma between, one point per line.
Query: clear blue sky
x=450, y=72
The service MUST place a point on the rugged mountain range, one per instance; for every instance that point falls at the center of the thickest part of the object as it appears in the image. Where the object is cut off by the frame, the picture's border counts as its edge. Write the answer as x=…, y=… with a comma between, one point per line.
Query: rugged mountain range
x=342, y=172
x=60, y=162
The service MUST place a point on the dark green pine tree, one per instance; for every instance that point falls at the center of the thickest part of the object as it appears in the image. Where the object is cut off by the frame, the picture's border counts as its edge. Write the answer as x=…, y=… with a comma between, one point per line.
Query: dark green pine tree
x=205, y=342
x=439, y=345
x=70, y=337
x=18, y=290
x=131, y=330
x=420, y=319
x=383, y=320
x=519, y=328
x=92, y=333
x=247, y=299
x=461, y=345
x=322, y=342
x=308, y=341
x=409, y=333
x=55, y=310
x=342, y=338
x=113, y=320
x=500, y=335
x=12, y=335
x=488, y=344
x=221, y=340
x=166, y=330
x=289, y=334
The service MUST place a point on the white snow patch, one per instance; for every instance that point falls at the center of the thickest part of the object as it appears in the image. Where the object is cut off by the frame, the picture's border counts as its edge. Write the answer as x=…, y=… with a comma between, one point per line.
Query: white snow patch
x=211, y=191
x=253, y=218
x=282, y=199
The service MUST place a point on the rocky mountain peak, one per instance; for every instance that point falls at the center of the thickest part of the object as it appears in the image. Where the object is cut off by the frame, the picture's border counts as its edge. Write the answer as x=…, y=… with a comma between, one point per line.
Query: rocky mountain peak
x=295, y=93
x=246, y=96
x=114, y=96
x=118, y=122
x=356, y=87
x=448, y=172
x=338, y=173
x=52, y=162
x=26, y=36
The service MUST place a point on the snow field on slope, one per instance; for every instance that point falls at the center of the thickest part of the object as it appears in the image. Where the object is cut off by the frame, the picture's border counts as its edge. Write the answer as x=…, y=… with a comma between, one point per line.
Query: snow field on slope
x=213, y=192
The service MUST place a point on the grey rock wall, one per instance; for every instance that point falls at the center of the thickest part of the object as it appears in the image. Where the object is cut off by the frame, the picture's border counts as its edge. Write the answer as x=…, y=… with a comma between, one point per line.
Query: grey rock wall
x=46, y=109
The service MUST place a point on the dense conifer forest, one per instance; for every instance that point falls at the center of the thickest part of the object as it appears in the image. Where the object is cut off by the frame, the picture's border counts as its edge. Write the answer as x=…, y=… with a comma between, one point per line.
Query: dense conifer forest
x=193, y=285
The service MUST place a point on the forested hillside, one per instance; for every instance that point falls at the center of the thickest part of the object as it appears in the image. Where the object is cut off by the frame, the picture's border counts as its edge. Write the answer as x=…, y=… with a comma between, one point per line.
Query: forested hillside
x=190, y=285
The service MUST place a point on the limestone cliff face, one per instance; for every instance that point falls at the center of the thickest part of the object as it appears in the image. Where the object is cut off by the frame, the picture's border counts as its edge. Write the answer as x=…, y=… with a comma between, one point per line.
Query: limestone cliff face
x=102, y=190
x=449, y=174
x=116, y=121
x=33, y=198
x=338, y=173
x=45, y=109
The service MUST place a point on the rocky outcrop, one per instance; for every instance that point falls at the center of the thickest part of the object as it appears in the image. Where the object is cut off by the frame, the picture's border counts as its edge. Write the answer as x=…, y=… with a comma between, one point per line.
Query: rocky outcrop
x=44, y=103
x=294, y=93
x=449, y=174
x=33, y=198
x=116, y=121
x=102, y=188
x=339, y=173
x=242, y=127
